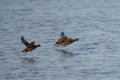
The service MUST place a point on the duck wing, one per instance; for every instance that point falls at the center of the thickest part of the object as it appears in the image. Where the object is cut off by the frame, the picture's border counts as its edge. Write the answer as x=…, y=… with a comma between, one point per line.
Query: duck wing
x=63, y=36
x=26, y=43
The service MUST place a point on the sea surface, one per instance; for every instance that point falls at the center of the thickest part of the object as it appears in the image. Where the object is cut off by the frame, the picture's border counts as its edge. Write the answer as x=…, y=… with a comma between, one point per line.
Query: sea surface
x=96, y=56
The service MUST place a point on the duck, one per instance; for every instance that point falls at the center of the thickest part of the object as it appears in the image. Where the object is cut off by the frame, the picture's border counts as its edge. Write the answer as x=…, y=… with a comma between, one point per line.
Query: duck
x=62, y=38
x=29, y=46
x=69, y=41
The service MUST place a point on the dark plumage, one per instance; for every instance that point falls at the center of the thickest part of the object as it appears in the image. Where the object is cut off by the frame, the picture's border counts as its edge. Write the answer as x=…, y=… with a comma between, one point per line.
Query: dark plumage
x=69, y=41
x=62, y=38
x=29, y=46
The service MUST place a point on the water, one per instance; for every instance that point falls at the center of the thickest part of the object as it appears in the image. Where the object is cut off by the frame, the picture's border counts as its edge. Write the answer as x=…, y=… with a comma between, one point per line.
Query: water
x=95, y=56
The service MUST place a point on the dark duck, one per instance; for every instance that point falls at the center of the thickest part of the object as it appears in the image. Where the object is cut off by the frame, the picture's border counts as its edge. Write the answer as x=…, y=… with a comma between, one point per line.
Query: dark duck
x=64, y=40
x=29, y=46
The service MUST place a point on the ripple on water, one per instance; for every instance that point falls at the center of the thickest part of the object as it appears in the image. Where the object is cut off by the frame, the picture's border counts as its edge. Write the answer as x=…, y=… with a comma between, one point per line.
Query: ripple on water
x=96, y=56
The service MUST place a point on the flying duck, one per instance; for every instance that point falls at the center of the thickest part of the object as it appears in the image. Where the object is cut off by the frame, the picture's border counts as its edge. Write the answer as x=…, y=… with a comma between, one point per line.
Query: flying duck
x=64, y=40
x=29, y=46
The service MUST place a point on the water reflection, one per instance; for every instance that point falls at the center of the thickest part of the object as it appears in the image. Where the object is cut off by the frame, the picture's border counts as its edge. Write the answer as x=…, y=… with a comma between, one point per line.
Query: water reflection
x=29, y=59
x=64, y=51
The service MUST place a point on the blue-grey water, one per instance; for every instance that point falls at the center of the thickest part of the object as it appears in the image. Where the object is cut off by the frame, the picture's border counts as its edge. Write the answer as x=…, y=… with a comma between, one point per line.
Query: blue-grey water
x=96, y=56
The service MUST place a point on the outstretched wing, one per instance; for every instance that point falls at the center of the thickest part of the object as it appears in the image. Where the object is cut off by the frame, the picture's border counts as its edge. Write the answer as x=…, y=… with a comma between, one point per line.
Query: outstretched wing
x=27, y=44
x=63, y=36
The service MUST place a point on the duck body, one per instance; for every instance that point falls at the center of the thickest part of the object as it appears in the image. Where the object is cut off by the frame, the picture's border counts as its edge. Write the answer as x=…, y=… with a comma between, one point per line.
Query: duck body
x=29, y=46
x=69, y=41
